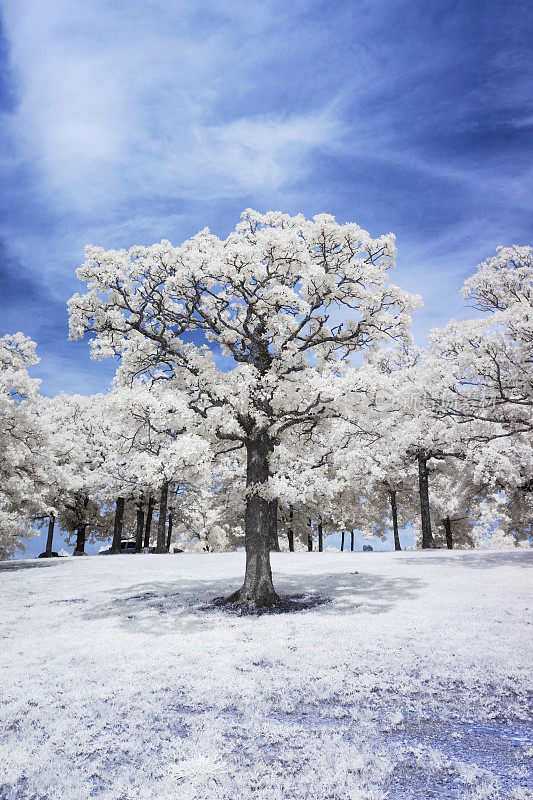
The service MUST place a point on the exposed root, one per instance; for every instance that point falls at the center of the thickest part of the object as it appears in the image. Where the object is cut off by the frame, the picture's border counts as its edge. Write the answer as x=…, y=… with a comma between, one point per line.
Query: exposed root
x=245, y=599
x=238, y=604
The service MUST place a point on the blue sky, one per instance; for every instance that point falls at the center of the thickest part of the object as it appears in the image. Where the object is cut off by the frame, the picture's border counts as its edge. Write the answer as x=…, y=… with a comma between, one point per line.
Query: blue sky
x=127, y=122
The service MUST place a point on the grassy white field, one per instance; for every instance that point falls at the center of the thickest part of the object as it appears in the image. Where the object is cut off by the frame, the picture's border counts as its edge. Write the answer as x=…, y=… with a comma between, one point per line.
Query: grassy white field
x=404, y=675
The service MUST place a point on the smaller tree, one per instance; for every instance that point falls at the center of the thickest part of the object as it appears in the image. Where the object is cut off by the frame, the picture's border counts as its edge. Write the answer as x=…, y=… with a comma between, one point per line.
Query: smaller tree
x=485, y=381
x=25, y=464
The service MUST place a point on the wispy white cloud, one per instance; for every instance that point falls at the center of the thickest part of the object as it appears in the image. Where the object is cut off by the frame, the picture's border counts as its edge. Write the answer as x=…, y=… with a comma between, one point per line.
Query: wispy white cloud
x=114, y=102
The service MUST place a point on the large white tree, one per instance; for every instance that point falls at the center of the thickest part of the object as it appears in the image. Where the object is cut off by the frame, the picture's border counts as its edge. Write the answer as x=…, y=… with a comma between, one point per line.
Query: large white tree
x=288, y=299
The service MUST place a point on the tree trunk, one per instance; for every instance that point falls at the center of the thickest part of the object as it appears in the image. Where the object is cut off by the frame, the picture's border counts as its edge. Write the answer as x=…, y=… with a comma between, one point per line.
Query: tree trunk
x=394, y=510
x=140, y=528
x=258, y=589
x=50, y=537
x=352, y=541
x=448, y=528
x=80, y=541
x=161, y=539
x=81, y=531
x=290, y=531
x=342, y=541
x=149, y=514
x=274, y=541
x=310, y=536
x=118, y=525
x=169, y=533
x=320, y=536
x=423, y=486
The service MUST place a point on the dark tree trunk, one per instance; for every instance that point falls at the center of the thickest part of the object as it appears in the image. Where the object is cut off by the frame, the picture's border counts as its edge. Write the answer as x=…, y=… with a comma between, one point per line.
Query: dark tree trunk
x=140, y=529
x=50, y=537
x=310, y=536
x=118, y=525
x=394, y=510
x=423, y=486
x=258, y=589
x=81, y=531
x=290, y=530
x=274, y=540
x=342, y=541
x=169, y=532
x=352, y=541
x=149, y=514
x=80, y=541
x=161, y=538
x=320, y=536
x=448, y=528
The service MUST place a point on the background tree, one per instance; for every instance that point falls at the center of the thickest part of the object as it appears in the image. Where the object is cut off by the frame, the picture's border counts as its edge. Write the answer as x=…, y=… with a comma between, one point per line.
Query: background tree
x=25, y=463
x=484, y=368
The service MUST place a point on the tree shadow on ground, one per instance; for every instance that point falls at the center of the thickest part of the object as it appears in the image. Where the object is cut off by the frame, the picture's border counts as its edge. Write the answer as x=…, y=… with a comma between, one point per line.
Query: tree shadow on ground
x=13, y=566
x=187, y=604
x=474, y=560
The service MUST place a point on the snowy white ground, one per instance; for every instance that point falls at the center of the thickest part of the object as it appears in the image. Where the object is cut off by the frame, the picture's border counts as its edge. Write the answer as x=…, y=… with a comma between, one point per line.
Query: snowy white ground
x=117, y=683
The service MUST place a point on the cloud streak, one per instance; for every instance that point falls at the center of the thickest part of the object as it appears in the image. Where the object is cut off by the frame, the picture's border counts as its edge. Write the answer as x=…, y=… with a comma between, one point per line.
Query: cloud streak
x=114, y=104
